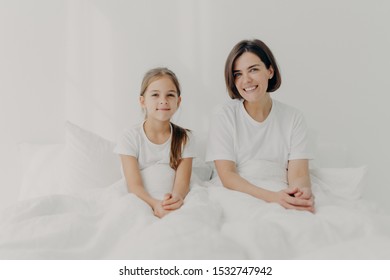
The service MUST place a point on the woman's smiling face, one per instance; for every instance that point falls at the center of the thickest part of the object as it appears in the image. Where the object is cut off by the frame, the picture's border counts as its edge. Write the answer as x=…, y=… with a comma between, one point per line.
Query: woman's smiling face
x=251, y=77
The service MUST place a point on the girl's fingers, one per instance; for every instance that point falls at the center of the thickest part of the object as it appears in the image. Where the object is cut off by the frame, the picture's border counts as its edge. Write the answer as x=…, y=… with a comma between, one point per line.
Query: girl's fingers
x=173, y=206
x=170, y=201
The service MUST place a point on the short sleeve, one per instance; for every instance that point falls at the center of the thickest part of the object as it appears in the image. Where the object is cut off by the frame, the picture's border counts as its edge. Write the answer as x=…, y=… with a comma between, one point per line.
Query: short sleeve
x=220, y=144
x=127, y=144
x=299, y=148
x=190, y=147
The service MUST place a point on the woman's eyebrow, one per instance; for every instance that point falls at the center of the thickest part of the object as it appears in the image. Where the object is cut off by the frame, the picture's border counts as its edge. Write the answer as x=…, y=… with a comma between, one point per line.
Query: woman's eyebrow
x=254, y=65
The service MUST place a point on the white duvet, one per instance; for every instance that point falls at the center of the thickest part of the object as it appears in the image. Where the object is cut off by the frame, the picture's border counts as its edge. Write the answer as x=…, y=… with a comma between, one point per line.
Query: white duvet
x=214, y=223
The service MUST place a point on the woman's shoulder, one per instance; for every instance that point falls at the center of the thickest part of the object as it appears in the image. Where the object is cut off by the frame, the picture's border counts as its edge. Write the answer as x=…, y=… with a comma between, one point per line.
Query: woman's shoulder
x=228, y=107
x=286, y=109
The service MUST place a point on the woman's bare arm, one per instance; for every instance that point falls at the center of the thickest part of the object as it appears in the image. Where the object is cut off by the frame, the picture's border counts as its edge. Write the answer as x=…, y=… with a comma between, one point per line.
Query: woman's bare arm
x=231, y=179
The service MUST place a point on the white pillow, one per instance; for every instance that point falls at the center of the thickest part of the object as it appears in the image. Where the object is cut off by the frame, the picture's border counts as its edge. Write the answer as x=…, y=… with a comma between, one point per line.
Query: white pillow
x=345, y=183
x=42, y=167
x=202, y=170
x=85, y=161
x=89, y=160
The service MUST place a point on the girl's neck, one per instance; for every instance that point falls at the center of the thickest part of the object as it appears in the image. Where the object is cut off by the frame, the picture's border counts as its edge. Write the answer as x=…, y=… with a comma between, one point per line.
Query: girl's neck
x=157, y=132
x=259, y=111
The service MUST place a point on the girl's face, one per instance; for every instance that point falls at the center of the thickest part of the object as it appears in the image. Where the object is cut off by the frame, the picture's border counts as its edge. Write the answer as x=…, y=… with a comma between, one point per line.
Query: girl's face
x=160, y=99
x=251, y=77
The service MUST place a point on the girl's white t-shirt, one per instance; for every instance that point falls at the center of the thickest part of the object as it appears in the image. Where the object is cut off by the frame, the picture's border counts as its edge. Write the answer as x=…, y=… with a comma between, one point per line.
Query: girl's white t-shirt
x=133, y=142
x=234, y=135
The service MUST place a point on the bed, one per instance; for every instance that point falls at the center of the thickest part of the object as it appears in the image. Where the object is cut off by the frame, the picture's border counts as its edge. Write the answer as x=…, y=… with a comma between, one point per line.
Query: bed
x=73, y=204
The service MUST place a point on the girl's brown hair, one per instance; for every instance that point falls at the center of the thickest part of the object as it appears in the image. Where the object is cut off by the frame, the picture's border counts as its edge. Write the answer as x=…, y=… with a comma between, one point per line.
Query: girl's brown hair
x=179, y=134
x=258, y=48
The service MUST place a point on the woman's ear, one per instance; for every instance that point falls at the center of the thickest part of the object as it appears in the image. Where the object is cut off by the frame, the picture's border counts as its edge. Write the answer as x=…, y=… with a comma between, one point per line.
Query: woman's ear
x=271, y=72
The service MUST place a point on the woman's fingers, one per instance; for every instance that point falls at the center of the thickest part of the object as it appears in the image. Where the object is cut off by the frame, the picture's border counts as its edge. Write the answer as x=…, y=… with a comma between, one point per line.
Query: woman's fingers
x=291, y=190
x=301, y=208
x=296, y=201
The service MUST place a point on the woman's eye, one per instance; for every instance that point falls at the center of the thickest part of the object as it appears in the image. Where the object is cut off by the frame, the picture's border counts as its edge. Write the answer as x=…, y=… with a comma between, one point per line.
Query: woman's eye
x=254, y=70
x=236, y=75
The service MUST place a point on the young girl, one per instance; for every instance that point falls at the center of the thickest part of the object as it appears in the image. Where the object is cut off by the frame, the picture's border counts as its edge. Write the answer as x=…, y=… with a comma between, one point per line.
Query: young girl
x=158, y=141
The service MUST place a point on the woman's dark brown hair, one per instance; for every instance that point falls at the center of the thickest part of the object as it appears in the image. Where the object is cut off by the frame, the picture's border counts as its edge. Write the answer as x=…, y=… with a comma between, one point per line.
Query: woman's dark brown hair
x=179, y=134
x=258, y=48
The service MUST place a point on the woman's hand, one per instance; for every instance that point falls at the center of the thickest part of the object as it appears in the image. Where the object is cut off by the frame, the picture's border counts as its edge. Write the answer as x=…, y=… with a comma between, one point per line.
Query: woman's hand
x=298, y=176
x=304, y=193
x=295, y=198
x=172, y=201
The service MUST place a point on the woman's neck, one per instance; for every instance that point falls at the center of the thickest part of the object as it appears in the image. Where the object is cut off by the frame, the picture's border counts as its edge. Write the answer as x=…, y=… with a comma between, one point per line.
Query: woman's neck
x=157, y=132
x=260, y=110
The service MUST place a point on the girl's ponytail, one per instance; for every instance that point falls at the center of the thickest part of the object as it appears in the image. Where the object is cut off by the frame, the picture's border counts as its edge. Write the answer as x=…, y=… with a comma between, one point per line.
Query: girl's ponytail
x=179, y=140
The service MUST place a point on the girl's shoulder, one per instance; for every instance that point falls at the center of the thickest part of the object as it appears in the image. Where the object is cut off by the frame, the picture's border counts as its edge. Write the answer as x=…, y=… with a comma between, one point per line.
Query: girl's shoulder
x=133, y=132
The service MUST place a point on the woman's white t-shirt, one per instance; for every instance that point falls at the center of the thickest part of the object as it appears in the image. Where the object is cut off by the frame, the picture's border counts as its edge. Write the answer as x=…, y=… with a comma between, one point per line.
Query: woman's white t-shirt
x=134, y=142
x=234, y=135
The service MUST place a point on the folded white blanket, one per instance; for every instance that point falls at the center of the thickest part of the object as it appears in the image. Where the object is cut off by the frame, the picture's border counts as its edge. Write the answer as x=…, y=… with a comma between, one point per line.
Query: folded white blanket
x=268, y=231
x=213, y=223
x=110, y=223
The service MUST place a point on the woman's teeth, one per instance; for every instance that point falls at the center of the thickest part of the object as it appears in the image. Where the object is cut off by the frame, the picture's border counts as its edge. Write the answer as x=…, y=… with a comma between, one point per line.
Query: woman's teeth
x=250, y=88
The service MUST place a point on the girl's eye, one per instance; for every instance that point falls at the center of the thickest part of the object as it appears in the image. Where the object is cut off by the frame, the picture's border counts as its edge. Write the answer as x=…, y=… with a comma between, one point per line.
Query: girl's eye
x=154, y=94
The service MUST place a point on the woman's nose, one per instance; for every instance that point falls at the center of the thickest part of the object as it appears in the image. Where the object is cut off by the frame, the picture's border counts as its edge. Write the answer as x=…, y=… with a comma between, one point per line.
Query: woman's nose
x=247, y=78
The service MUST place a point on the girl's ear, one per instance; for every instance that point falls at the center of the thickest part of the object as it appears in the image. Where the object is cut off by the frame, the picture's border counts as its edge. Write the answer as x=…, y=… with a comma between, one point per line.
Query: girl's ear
x=142, y=101
x=178, y=101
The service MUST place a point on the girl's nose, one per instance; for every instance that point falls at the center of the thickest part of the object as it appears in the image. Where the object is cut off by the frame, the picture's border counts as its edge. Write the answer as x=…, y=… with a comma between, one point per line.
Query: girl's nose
x=163, y=101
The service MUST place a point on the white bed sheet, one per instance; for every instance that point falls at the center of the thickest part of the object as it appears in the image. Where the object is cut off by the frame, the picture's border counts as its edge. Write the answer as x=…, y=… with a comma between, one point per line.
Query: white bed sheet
x=214, y=223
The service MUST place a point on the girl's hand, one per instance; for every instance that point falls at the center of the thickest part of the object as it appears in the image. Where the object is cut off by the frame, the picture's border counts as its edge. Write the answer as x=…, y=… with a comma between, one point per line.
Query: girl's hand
x=172, y=201
x=158, y=209
x=294, y=198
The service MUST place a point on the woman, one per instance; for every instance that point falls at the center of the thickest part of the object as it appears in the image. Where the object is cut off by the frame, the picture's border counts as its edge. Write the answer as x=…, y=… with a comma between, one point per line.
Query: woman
x=253, y=126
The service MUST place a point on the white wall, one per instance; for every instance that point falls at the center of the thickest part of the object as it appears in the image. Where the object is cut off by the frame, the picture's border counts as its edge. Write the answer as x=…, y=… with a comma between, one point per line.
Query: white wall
x=32, y=44
x=84, y=60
